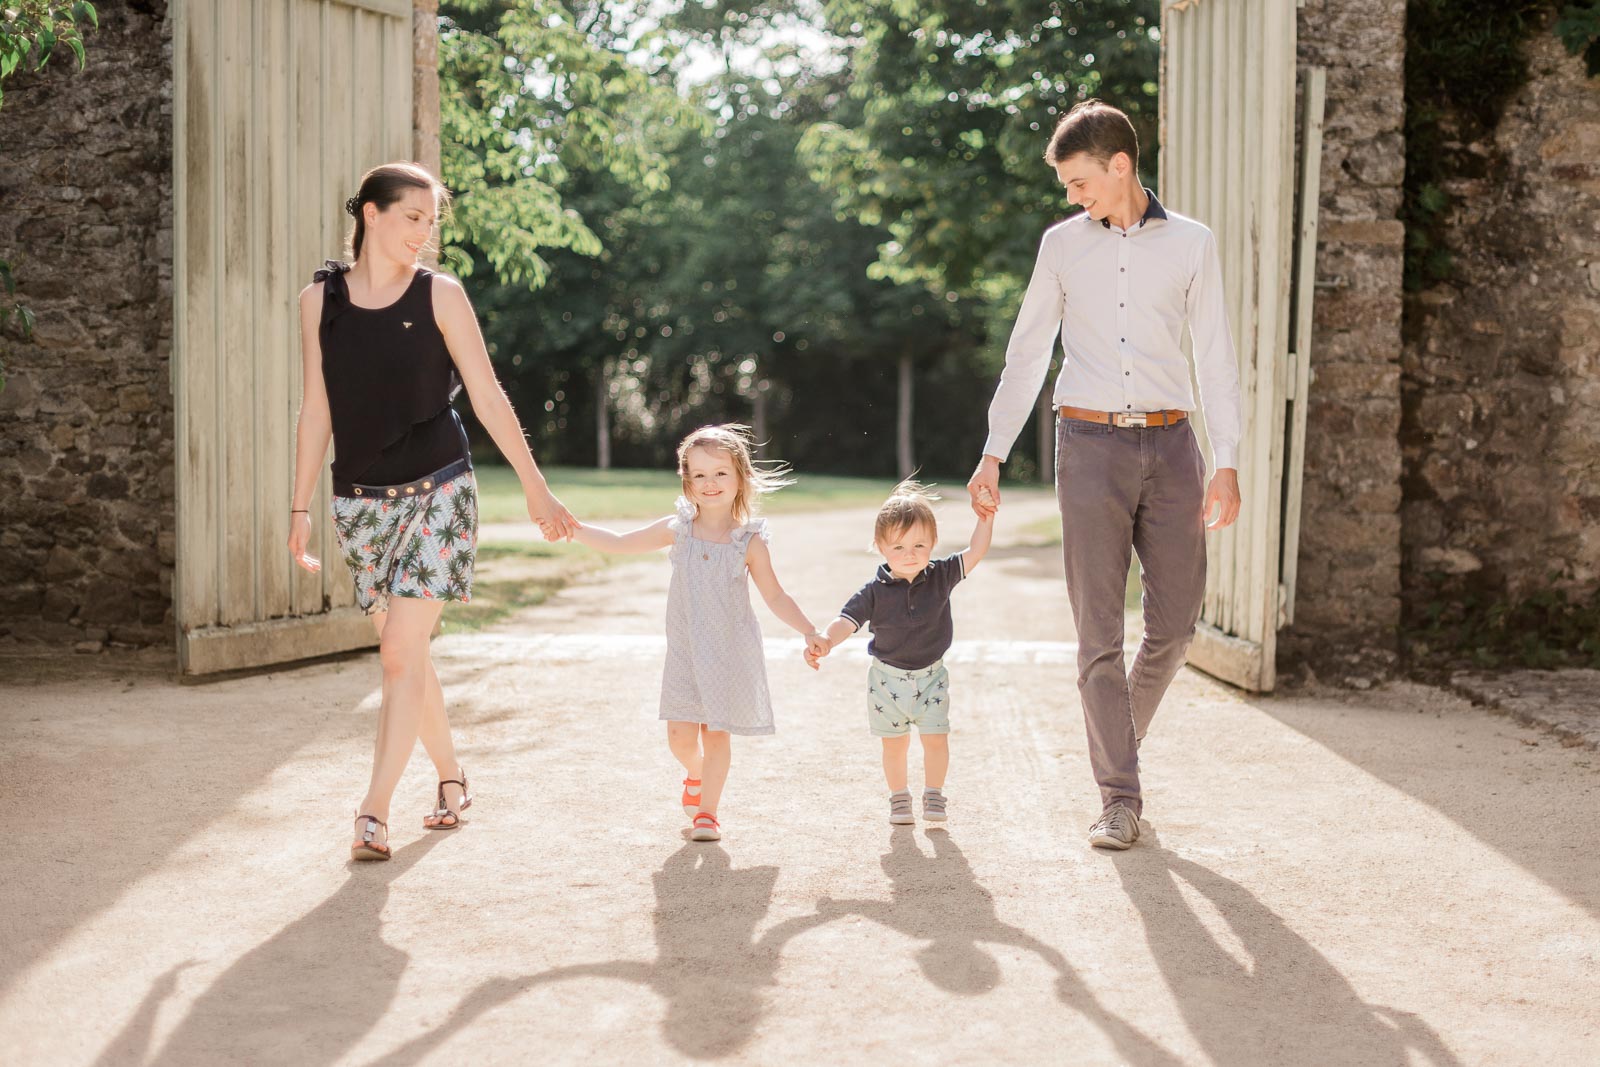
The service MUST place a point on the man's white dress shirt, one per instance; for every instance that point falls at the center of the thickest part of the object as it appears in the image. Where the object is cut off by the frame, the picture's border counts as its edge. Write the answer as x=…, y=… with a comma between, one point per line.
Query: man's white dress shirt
x=1120, y=300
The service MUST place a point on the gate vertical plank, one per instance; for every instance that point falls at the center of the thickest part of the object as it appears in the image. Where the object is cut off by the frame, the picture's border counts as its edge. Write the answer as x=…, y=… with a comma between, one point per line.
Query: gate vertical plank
x=369, y=97
x=236, y=405
x=274, y=445
x=308, y=244
x=1303, y=287
x=197, y=536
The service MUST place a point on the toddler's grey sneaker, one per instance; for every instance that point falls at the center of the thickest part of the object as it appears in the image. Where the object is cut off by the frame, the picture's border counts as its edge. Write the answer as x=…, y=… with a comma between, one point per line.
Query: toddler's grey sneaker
x=933, y=805
x=1117, y=827
x=900, y=809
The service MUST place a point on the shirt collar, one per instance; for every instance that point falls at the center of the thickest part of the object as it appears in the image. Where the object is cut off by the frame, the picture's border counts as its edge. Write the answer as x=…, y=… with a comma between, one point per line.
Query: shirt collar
x=888, y=577
x=1152, y=210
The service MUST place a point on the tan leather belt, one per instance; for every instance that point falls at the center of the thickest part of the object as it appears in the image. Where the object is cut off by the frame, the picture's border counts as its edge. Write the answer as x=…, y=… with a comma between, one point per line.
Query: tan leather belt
x=1125, y=419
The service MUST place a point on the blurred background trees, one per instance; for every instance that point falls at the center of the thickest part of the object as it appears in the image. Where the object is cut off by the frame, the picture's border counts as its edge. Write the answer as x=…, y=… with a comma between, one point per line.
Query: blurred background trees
x=814, y=217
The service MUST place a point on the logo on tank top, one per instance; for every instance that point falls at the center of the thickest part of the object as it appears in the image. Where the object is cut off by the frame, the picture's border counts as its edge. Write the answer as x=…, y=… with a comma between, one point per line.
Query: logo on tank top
x=407, y=325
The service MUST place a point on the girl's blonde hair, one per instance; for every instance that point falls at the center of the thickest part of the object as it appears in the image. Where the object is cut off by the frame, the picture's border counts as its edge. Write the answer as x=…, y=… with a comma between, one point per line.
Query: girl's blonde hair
x=735, y=440
x=910, y=503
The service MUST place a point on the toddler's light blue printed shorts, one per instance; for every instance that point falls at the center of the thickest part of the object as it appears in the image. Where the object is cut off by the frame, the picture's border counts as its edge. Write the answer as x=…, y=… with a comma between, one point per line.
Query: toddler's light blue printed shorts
x=898, y=699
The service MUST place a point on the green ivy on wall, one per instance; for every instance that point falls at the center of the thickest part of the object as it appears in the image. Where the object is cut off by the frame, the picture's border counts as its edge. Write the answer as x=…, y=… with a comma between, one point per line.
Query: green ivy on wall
x=1579, y=29
x=1465, y=59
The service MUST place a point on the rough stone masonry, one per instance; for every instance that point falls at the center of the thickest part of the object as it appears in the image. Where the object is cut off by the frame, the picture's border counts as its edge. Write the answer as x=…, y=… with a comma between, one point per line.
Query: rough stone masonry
x=86, y=430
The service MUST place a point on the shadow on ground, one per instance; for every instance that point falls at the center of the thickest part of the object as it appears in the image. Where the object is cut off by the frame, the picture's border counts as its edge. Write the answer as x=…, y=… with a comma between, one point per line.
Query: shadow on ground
x=282, y=1000
x=1287, y=1004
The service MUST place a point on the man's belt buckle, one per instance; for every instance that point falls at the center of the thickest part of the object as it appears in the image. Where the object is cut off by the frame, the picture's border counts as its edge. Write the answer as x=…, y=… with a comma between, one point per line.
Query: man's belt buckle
x=1134, y=419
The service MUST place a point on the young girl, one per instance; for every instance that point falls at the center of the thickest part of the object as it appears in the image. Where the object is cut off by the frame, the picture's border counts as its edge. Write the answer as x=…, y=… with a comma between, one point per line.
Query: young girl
x=386, y=344
x=715, y=682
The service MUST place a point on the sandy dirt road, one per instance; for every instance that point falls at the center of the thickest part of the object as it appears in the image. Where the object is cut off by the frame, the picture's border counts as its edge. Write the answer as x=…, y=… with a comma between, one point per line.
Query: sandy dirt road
x=1379, y=878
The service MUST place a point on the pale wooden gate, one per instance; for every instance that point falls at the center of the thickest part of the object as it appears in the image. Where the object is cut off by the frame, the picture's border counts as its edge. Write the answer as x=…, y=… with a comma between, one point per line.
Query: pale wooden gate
x=1228, y=158
x=279, y=106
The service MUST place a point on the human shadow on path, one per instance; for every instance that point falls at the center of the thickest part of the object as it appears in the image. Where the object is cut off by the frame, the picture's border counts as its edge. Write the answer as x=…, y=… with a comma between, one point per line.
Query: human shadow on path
x=312, y=991
x=938, y=900
x=1288, y=1005
x=707, y=959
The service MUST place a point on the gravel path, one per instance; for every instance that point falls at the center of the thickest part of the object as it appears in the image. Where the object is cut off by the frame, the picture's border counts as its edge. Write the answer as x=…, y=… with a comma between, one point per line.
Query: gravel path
x=1386, y=877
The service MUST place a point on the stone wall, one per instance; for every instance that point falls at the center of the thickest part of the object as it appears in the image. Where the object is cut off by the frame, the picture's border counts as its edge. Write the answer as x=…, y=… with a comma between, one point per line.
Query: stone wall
x=86, y=430
x=1502, y=362
x=1347, y=607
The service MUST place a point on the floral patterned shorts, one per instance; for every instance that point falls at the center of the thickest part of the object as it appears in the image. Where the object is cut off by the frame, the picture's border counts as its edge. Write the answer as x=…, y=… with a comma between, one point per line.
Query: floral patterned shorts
x=409, y=541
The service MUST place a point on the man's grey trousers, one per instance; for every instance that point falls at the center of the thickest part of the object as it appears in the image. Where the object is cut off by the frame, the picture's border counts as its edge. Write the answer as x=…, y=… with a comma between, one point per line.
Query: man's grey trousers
x=1125, y=490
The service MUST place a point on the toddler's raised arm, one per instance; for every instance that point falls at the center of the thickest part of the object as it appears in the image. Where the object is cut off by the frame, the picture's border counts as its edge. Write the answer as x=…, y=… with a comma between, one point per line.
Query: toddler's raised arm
x=982, y=535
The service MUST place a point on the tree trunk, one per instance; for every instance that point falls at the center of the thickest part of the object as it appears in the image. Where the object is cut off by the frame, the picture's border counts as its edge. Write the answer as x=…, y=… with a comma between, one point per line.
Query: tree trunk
x=602, y=417
x=758, y=414
x=907, y=461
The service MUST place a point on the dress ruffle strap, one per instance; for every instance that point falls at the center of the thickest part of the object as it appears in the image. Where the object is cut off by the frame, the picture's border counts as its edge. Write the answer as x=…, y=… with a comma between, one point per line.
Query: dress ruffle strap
x=682, y=515
x=757, y=528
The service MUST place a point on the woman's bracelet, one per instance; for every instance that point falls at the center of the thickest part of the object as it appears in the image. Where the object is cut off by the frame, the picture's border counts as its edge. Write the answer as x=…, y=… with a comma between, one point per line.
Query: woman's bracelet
x=298, y=511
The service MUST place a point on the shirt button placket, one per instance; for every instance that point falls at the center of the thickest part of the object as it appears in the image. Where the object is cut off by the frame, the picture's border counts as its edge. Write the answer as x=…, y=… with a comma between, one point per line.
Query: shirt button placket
x=1123, y=355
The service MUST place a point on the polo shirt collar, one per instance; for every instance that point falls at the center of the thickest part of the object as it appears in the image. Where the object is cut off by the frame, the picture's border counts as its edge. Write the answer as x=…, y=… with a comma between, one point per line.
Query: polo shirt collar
x=888, y=577
x=1152, y=210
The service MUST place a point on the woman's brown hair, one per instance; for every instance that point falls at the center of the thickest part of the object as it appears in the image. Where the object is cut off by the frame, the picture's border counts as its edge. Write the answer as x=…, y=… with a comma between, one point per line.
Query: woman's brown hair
x=384, y=185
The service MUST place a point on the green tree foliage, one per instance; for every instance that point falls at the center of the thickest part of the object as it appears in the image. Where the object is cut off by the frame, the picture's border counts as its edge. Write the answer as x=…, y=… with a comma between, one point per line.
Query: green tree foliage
x=533, y=92
x=737, y=281
x=1579, y=29
x=957, y=101
x=30, y=32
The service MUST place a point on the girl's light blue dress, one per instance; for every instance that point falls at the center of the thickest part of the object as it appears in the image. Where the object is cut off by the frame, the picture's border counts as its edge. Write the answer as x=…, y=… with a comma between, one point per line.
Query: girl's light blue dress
x=716, y=670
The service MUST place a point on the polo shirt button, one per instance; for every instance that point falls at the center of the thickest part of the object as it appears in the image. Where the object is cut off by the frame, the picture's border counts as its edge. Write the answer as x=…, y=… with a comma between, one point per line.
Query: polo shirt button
x=1123, y=269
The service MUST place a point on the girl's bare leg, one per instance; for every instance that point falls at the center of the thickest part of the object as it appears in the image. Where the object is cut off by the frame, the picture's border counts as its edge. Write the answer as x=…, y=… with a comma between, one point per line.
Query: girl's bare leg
x=403, y=651
x=684, y=739
x=718, y=749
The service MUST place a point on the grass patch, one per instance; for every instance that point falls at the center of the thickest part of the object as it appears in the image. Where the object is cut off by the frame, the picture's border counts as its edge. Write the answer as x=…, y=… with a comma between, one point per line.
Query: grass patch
x=511, y=576
x=648, y=494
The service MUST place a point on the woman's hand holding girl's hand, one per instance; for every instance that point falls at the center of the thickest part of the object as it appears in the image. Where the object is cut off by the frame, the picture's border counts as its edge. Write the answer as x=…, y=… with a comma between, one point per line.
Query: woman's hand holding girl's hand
x=299, y=538
x=554, y=521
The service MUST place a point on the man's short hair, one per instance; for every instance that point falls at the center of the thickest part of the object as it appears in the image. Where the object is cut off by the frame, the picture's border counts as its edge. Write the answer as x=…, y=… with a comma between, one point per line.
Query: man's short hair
x=1095, y=128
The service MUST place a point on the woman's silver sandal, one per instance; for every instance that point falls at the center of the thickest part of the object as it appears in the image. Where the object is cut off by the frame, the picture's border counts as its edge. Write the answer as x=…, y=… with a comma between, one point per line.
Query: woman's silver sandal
x=368, y=847
x=444, y=818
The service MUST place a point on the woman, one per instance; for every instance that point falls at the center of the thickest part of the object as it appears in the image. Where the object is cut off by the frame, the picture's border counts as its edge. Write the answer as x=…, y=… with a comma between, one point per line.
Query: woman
x=387, y=343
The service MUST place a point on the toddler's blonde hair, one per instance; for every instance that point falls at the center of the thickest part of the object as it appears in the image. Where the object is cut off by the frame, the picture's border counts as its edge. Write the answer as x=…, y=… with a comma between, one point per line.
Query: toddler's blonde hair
x=910, y=503
x=735, y=440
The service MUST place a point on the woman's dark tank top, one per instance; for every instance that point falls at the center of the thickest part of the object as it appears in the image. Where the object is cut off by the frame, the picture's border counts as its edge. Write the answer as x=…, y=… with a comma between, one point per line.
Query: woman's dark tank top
x=390, y=381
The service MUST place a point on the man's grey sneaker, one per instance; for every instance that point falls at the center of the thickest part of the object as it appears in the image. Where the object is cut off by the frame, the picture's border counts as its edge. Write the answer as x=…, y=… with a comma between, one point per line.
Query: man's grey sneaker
x=1117, y=827
x=900, y=809
x=933, y=805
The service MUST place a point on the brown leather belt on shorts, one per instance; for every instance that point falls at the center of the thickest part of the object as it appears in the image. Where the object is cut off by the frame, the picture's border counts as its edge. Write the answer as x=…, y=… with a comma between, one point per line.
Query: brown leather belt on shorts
x=1158, y=419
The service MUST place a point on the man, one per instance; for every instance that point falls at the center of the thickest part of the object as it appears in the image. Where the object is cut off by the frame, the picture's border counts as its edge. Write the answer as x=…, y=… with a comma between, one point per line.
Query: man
x=1119, y=281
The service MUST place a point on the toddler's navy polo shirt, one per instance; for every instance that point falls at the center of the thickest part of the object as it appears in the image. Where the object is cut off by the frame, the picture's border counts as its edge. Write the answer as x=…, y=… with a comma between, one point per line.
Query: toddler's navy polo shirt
x=911, y=625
